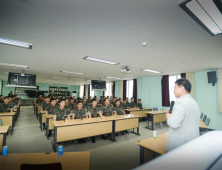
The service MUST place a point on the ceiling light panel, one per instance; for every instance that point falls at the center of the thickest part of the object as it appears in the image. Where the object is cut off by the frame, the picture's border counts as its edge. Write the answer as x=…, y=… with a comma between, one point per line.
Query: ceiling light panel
x=72, y=72
x=59, y=78
x=13, y=65
x=152, y=71
x=101, y=60
x=112, y=77
x=15, y=43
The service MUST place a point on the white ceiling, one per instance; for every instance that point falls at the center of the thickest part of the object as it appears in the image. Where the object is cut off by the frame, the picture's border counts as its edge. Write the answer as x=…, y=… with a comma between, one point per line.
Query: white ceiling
x=63, y=32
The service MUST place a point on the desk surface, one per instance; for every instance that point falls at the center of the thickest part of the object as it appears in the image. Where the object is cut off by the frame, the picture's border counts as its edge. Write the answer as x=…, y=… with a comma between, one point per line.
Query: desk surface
x=157, y=112
x=48, y=115
x=69, y=160
x=92, y=120
x=7, y=113
x=4, y=129
x=202, y=124
x=138, y=109
x=158, y=145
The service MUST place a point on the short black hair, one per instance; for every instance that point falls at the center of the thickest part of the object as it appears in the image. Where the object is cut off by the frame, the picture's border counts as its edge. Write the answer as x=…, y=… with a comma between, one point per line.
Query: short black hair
x=132, y=97
x=6, y=97
x=53, y=99
x=117, y=101
x=61, y=100
x=79, y=102
x=93, y=100
x=185, y=83
x=139, y=99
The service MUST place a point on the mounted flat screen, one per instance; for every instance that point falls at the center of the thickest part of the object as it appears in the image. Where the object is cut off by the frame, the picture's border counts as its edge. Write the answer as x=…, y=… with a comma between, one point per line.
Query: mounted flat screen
x=98, y=85
x=19, y=79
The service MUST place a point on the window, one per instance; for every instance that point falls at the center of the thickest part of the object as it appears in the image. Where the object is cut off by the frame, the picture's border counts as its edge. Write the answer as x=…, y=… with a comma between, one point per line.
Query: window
x=81, y=91
x=172, y=80
x=92, y=93
x=108, y=89
x=129, y=89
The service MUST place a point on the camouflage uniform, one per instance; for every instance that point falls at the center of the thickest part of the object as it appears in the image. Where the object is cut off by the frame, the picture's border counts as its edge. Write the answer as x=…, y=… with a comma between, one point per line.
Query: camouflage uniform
x=85, y=105
x=68, y=108
x=79, y=114
x=107, y=110
x=5, y=108
x=140, y=105
x=94, y=111
x=125, y=106
x=45, y=105
x=51, y=108
x=119, y=110
x=132, y=105
x=38, y=101
x=73, y=106
x=101, y=101
x=60, y=114
x=12, y=103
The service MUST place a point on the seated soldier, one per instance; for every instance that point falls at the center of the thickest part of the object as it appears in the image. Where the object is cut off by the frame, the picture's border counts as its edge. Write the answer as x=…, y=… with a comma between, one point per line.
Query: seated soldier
x=79, y=113
x=94, y=111
x=60, y=113
x=85, y=103
x=119, y=111
x=50, y=109
x=132, y=104
x=1, y=99
x=72, y=104
x=107, y=111
x=5, y=107
x=67, y=105
x=139, y=104
x=125, y=105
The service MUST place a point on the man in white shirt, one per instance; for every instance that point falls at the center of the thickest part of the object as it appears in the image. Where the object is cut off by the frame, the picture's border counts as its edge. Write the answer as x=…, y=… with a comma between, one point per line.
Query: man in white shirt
x=184, y=120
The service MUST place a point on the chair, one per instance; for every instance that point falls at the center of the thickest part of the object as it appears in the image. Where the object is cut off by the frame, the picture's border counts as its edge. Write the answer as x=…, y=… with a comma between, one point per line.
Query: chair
x=201, y=115
x=155, y=109
x=204, y=118
x=207, y=121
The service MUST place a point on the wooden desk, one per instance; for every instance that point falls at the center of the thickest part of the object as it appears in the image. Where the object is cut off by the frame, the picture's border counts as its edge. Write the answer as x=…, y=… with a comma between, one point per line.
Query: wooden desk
x=140, y=112
x=69, y=160
x=156, y=117
x=3, y=132
x=77, y=129
x=8, y=119
x=151, y=147
x=202, y=124
x=42, y=118
x=49, y=125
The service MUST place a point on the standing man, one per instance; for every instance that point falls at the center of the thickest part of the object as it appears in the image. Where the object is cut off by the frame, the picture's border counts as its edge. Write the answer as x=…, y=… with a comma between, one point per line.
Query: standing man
x=10, y=94
x=184, y=120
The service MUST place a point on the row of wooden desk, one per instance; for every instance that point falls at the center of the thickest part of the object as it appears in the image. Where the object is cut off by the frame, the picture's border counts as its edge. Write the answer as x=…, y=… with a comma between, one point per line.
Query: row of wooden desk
x=77, y=129
x=151, y=147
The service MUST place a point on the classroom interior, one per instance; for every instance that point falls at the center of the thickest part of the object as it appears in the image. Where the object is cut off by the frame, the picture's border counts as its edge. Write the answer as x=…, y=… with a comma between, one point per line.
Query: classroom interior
x=146, y=34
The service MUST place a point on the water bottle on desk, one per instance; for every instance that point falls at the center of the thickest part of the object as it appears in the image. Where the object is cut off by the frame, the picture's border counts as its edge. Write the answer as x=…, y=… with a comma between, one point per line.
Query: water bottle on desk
x=60, y=150
x=154, y=134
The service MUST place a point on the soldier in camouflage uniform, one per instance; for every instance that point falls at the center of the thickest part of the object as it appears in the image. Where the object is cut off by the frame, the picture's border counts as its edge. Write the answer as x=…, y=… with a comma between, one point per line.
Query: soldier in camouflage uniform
x=5, y=107
x=120, y=100
x=111, y=100
x=127, y=101
x=50, y=109
x=132, y=104
x=11, y=103
x=72, y=104
x=119, y=111
x=124, y=105
x=139, y=104
x=107, y=109
x=79, y=111
x=45, y=104
x=39, y=100
x=101, y=100
x=1, y=99
x=85, y=103
x=60, y=113
x=67, y=105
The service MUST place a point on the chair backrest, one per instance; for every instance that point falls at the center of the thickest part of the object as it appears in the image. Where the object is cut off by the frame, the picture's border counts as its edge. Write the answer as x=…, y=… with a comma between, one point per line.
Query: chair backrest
x=204, y=118
x=155, y=109
x=201, y=115
x=207, y=121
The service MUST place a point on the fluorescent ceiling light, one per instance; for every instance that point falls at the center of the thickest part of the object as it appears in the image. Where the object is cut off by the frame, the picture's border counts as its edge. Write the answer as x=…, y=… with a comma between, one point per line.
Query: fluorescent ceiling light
x=100, y=60
x=13, y=65
x=153, y=71
x=71, y=84
x=59, y=77
x=20, y=86
x=207, y=13
x=71, y=72
x=52, y=81
x=112, y=77
x=15, y=43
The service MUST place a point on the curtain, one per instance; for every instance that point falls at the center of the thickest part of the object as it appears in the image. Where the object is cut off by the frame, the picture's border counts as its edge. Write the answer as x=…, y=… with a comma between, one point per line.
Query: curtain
x=88, y=90
x=103, y=93
x=183, y=75
x=165, y=91
x=84, y=90
x=114, y=89
x=135, y=90
x=124, y=90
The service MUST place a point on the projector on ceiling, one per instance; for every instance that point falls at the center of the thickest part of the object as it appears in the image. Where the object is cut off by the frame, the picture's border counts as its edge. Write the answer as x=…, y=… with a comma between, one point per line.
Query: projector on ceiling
x=125, y=70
